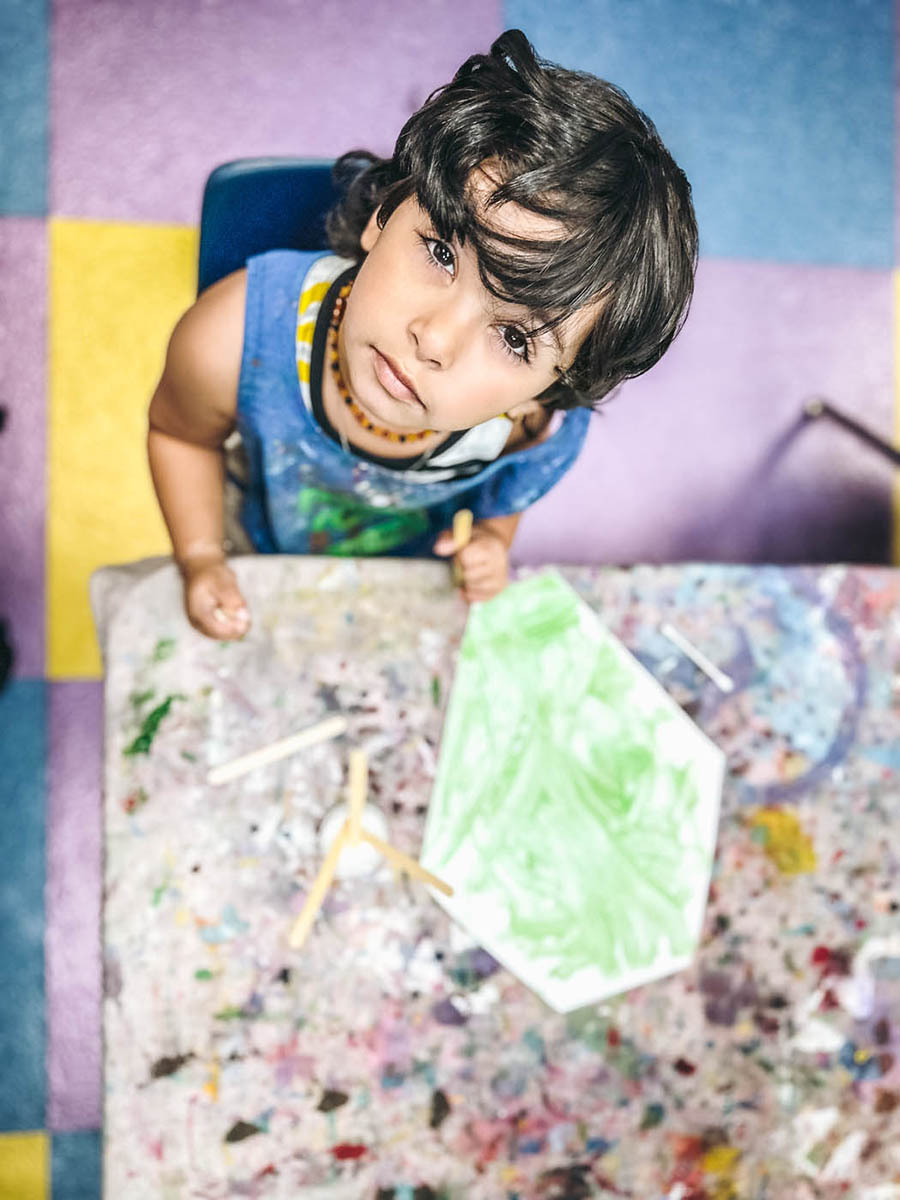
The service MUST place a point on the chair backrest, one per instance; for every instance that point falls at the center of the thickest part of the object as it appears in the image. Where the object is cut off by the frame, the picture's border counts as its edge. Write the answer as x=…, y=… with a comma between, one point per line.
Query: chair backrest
x=257, y=204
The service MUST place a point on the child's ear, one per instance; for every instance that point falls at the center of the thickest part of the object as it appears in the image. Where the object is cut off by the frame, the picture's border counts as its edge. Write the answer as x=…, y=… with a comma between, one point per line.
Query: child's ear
x=524, y=408
x=371, y=233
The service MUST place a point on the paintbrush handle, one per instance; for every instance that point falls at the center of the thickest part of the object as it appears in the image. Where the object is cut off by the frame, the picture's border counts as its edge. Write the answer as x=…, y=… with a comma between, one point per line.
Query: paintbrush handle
x=359, y=774
x=403, y=862
x=304, y=922
x=462, y=533
x=331, y=727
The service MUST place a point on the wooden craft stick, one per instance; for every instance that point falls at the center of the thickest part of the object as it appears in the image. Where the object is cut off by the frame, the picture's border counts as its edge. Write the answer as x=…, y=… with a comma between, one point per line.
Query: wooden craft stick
x=331, y=727
x=722, y=681
x=359, y=775
x=304, y=922
x=403, y=862
x=462, y=532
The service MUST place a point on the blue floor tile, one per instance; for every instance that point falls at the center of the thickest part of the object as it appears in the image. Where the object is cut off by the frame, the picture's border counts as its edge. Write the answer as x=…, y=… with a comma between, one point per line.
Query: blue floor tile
x=23, y=107
x=22, y=824
x=781, y=113
x=77, y=1165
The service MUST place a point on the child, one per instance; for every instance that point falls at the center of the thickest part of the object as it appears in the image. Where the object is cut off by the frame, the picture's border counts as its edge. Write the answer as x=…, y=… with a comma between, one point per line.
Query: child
x=530, y=244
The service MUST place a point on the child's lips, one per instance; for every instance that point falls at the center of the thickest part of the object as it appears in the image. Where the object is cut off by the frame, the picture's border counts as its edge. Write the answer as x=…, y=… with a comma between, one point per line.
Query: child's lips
x=393, y=380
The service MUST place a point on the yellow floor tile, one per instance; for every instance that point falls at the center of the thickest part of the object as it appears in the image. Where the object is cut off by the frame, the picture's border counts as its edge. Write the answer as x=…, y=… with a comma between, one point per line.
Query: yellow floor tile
x=116, y=291
x=24, y=1166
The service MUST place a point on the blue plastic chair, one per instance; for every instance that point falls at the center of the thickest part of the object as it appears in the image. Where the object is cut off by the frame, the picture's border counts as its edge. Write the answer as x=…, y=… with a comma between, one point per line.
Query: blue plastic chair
x=257, y=204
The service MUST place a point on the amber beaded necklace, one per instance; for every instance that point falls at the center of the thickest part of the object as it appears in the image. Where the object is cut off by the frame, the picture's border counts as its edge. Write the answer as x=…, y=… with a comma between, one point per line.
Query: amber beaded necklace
x=334, y=361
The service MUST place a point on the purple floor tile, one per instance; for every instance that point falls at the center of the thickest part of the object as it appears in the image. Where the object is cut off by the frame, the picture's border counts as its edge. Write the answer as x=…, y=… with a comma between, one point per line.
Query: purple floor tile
x=72, y=943
x=22, y=390
x=706, y=457
x=147, y=98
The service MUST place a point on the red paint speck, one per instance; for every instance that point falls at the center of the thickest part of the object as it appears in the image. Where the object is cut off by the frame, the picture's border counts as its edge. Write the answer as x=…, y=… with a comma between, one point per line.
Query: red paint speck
x=820, y=955
x=346, y=1150
x=613, y=1037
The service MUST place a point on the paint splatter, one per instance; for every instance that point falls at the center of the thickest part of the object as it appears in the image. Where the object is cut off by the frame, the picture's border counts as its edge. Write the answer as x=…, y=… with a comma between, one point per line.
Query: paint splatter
x=653, y=1116
x=332, y=1100
x=784, y=840
x=163, y=649
x=150, y=727
x=348, y=1150
x=446, y=1013
x=440, y=1109
x=135, y=800
x=164, y=1067
x=241, y=1130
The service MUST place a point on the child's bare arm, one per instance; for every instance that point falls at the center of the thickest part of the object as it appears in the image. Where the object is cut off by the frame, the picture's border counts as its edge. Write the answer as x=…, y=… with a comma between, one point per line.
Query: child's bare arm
x=191, y=414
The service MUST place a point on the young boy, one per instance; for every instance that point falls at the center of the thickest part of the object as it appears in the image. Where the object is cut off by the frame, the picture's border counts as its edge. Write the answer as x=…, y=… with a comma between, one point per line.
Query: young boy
x=530, y=244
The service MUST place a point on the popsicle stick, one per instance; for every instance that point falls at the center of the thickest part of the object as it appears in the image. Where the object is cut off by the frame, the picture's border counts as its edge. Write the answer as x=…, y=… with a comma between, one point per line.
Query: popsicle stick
x=403, y=862
x=331, y=727
x=462, y=533
x=359, y=776
x=722, y=681
x=304, y=922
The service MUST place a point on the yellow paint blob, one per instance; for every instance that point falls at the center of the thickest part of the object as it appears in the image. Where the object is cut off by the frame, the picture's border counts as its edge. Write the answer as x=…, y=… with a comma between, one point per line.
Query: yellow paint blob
x=211, y=1087
x=719, y=1160
x=784, y=840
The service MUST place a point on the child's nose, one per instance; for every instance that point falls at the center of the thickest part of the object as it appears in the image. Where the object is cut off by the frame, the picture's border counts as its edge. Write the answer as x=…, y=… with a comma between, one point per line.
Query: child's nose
x=438, y=332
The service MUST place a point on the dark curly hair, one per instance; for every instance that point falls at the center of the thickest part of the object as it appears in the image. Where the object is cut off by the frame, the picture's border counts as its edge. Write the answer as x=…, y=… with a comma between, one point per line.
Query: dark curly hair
x=570, y=147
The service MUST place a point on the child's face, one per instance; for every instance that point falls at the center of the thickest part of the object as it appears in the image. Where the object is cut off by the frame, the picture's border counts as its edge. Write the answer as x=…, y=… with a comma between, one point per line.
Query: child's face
x=424, y=345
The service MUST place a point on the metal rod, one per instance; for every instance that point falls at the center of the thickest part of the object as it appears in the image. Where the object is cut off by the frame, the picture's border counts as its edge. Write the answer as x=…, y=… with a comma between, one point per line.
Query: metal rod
x=817, y=407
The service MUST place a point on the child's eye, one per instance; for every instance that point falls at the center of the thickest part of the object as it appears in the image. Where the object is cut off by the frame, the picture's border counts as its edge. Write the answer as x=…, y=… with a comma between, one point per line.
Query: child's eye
x=440, y=253
x=516, y=342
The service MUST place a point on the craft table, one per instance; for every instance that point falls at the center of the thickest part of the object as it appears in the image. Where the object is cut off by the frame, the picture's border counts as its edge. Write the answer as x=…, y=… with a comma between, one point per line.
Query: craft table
x=391, y=1057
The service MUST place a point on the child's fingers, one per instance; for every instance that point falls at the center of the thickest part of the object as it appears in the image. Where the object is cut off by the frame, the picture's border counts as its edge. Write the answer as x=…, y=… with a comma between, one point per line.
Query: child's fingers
x=231, y=623
x=481, y=573
x=445, y=544
x=476, y=555
x=216, y=606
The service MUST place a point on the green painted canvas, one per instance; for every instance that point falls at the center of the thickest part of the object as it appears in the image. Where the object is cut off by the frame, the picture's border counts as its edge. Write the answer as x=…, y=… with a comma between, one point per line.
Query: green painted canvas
x=575, y=806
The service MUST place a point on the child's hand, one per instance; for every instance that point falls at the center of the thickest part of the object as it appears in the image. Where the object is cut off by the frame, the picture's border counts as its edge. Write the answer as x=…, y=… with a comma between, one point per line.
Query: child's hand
x=484, y=562
x=213, y=600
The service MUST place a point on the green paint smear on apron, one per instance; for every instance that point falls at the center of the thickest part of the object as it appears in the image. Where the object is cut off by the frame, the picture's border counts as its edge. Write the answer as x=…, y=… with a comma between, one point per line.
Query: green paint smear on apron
x=341, y=524
x=559, y=785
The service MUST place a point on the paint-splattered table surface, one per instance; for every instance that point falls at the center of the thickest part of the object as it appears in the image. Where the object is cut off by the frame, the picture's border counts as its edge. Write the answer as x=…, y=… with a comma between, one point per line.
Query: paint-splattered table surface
x=391, y=1057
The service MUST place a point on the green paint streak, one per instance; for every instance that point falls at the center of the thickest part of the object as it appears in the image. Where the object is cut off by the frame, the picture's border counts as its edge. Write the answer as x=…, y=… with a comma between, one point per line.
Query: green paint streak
x=436, y=690
x=230, y=1014
x=559, y=780
x=203, y=974
x=341, y=524
x=164, y=649
x=150, y=727
x=139, y=699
